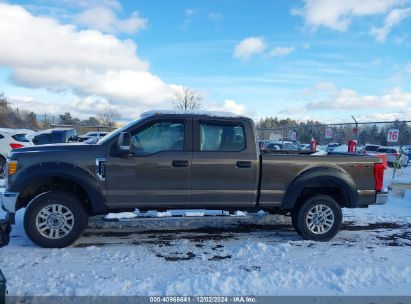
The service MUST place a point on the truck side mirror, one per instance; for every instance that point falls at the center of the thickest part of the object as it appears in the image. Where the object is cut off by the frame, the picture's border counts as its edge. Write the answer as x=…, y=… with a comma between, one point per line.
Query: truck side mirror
x=124, y=144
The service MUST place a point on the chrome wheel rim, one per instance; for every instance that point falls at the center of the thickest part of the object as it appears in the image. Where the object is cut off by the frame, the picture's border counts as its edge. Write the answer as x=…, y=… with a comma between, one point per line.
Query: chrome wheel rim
x=54, y=221
x=320, y=219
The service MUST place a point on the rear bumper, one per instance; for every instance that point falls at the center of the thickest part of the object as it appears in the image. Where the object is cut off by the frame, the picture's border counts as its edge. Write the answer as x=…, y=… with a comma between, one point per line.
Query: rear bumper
x=381, y=198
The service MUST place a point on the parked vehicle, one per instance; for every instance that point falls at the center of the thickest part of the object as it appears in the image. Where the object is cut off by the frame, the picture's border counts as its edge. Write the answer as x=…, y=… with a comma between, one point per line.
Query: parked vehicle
x=54, y=136
x=332, y=146
x=169, y=160
x=11, y=139
x=262, y=144
x=368, y=148
x=407, y=150
x=283, y=146
x=91, y=135
x=394, y=154
x=305, y=147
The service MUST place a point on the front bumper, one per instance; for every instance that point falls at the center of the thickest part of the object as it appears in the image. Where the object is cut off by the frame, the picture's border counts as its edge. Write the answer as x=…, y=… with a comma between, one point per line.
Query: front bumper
x=381, y=198
x=7, y=203
x=8, y=200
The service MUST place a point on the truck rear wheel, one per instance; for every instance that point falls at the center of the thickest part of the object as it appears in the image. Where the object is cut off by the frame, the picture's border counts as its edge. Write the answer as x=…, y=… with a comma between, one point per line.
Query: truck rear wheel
x=55, y=219
x=318, y=218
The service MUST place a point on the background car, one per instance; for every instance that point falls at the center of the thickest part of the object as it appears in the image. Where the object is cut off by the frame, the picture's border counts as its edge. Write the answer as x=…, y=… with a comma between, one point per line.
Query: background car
x=283, y=145
x=332, y=146
x=407, y=150
x=394, y=153
x=370, y=148
x=54, y=136
x=305, y=147
x=11, y=139
x=94, y=135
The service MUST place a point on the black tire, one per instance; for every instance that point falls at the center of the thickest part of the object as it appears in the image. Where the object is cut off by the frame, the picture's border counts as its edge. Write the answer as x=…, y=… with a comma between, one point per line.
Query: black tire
x=2, y=165
x=329, y=217
x=65, y=211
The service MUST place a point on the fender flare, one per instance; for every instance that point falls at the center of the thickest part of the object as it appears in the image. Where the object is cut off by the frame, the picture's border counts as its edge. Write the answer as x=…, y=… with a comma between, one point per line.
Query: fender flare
x=318, y=174
x=71, y=172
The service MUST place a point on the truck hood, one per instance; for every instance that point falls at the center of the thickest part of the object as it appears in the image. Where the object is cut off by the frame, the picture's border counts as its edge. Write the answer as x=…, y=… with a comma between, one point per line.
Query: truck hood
x=54, y=148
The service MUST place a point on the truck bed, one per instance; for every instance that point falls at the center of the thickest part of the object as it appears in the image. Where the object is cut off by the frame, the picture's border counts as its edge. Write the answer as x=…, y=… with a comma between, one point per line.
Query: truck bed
x=279, y=170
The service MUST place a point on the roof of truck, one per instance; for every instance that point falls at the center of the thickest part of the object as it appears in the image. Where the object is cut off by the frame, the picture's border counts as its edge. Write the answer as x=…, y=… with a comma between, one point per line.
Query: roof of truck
x=189, y=112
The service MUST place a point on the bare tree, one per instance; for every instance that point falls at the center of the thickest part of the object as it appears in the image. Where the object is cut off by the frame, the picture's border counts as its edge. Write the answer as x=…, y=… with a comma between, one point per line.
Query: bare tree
x=3, y=101
x=187, y=99
x=108, y=116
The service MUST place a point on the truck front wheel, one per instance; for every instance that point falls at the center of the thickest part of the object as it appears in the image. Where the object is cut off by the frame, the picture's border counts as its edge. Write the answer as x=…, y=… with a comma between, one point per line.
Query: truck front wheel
x=54, y=219
x=318, y=218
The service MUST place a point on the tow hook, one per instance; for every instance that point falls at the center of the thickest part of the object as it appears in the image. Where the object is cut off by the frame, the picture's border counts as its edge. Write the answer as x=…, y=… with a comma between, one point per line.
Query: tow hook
x=5, y=229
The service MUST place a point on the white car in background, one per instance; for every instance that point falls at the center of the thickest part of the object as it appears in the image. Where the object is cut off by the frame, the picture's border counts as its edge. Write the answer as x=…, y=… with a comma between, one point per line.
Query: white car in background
x=93, y=135
x=11, y=139
x=394, y=153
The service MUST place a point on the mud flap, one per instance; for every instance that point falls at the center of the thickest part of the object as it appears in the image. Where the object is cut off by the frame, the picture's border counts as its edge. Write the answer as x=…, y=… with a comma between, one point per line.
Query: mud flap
x=5, y=229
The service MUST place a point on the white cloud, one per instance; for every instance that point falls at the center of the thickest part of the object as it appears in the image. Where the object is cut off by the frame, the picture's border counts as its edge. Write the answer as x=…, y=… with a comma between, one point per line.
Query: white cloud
x=229, y=105
x=347, y=99
x=105, y=19
x=249, y=47
x=113, y=4
x=337, y=14
x=391, y=20
x=333, y=102
x=41, y=53
x=281, y=51
x=326, y=96
x=216, y=18
x=190, y=12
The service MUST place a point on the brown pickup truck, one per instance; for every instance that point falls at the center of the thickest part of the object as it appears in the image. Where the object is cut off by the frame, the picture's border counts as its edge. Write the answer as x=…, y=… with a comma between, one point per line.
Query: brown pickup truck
x=169, y=160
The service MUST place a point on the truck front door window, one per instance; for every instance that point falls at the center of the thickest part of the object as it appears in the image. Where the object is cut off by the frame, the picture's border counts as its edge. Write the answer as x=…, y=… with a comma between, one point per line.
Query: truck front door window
x=223, y=138
x=160, y=136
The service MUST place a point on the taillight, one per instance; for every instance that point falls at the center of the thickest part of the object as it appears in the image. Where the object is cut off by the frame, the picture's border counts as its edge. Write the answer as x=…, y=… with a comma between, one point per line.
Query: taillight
x=16, y=146
x=379, y=176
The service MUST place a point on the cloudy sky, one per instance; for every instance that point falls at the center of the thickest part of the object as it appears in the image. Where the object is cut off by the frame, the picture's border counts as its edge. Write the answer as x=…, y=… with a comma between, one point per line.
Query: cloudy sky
x=317, y=59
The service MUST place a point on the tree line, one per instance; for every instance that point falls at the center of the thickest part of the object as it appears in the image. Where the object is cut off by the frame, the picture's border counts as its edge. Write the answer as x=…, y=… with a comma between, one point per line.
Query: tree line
x=22, y=119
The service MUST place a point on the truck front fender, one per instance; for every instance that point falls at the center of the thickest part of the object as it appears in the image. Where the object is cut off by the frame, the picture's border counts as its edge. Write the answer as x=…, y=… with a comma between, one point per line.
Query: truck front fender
x=319, y=175
x=81, y=177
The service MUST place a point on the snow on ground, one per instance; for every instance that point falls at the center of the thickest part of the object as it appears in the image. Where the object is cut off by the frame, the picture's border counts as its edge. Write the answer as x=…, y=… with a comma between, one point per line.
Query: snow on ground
x=240, y=254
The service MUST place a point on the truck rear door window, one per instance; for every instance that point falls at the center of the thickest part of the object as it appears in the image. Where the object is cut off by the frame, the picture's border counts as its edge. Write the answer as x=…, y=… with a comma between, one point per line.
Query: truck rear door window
x=160, y=136
x=222, y=138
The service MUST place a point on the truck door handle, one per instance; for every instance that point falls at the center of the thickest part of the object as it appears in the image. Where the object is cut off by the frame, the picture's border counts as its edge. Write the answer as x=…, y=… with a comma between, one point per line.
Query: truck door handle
x=179, y=163
x=243, y=164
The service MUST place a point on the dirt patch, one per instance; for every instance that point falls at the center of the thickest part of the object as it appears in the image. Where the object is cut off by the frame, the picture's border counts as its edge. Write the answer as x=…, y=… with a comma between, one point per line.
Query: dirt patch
x=177, y=257
x=352, y=226
x=81, y=245
x=217, y=247
x=252, y=268
x=396, y=239
x=219, y=258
